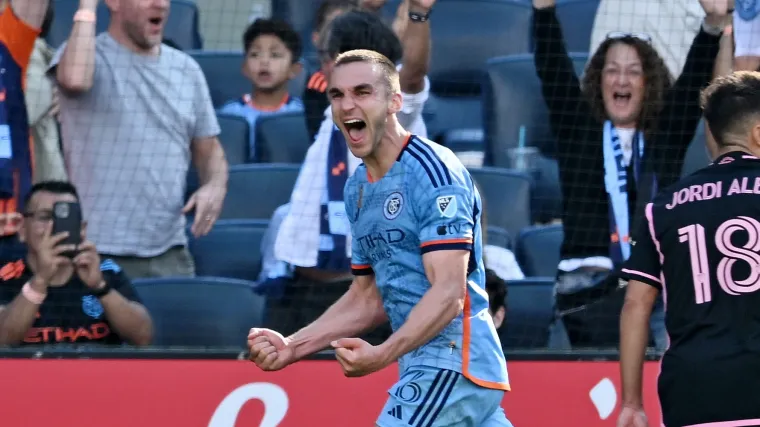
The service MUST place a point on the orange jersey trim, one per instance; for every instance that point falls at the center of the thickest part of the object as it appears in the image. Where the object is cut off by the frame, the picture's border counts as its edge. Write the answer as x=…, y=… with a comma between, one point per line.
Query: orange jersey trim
x=446, y=242
x=248, y=99
x=18, y=37
x=467, y=334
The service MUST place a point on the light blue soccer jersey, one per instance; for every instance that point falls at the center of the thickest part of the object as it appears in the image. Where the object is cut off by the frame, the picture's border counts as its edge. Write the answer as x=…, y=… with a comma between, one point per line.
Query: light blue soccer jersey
x=426, y=202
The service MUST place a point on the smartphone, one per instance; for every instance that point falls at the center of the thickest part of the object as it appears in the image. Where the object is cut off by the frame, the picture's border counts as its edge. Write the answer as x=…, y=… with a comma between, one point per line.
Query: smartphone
x=67, y=216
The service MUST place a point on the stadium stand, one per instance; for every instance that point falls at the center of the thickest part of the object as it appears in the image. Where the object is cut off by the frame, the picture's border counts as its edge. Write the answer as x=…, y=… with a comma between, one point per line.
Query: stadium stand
x=225, y=81
x=498, y=236
x=282, y=138
x=513, y=108
x=234, y=138
x=182, y=27
x=529, y=311
x=506, y=196
x=577, y=20
x=256, y=190
x=202, y=311
x=231, y=249
x=538, y=250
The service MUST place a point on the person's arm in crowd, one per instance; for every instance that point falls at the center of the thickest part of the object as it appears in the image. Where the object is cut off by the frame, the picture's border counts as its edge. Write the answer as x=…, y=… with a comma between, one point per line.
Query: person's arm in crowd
x=208, y=158
x=416, y=44
x=560, y=85
x=724, y=63
x=19, y=315
x=32, y=12
x=128, y=317
x=76, y=68
x=681, y=111
x=360, y=309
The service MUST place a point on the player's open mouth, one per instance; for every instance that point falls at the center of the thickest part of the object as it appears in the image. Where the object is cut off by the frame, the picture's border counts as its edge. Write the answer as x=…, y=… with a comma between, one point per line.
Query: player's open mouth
x=355, y=129
x=156, y=23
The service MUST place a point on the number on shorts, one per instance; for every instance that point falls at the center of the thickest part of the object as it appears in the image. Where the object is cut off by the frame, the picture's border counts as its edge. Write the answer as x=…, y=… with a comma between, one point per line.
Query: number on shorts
x=694, y=235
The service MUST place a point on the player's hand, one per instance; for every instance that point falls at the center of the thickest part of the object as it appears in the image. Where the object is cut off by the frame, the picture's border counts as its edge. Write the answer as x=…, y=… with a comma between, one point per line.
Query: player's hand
x=632, y=417
x=358, y=357
x=269, y=349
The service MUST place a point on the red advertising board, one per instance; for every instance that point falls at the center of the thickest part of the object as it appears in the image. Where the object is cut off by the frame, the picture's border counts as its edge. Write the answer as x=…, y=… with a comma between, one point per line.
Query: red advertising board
x=198, y=393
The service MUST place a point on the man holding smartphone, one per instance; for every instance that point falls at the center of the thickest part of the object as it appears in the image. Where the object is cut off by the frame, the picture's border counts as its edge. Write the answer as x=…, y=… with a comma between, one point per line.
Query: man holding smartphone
x=62, y=292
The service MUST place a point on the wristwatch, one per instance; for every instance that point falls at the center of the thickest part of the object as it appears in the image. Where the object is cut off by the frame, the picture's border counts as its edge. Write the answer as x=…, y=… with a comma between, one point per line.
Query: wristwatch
x=419, y=17
x=103, y=291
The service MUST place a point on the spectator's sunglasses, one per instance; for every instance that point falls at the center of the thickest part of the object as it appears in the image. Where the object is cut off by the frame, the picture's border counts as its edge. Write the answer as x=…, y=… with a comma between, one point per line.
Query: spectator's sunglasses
x=616, y=35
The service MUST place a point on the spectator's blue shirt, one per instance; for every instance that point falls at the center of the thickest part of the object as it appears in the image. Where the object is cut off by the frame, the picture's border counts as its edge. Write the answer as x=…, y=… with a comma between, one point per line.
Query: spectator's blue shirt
x=426, y=202
x=245, y=108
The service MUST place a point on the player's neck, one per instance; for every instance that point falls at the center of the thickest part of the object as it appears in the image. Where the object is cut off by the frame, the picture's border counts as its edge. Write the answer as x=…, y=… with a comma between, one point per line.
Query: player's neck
x=384, y=156
x=734, y=148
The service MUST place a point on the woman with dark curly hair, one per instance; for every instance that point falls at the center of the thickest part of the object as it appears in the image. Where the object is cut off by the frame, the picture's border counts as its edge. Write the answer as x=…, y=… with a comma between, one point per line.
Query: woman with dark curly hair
x=622, y=133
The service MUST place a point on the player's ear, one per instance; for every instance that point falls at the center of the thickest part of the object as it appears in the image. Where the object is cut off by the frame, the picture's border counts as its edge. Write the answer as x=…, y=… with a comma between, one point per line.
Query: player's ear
x=396, y=103
x=755, y=137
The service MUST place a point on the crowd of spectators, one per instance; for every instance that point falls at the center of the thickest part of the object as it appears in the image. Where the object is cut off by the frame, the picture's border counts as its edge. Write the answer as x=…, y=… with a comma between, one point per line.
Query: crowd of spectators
x=117, y=120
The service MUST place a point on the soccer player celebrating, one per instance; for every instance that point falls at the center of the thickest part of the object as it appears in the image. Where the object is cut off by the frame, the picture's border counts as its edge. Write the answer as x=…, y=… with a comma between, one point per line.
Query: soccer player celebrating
x=701, y=237
x=415, y=222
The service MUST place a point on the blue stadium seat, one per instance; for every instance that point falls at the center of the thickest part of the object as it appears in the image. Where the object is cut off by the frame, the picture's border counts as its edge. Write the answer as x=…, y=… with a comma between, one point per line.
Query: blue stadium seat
x=225, y=80
x=530, y=305
x=577, y=20
x=506, y=197
x=255, y=191
x=498, y=236
x=538, y=250
x=63, y=20
x=282, y=138
x=235, y=138
x=696, y=155
x=232, y=249
x=546, y=199
x=449, y=118
x=466, y=33
x=511, y=100
x=300, y=14
x=182, y=27
x=202, y=311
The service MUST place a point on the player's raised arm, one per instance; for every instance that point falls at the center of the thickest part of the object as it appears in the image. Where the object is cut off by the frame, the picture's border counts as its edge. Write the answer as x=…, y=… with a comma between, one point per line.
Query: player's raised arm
x=447, y=220
x=643, y=273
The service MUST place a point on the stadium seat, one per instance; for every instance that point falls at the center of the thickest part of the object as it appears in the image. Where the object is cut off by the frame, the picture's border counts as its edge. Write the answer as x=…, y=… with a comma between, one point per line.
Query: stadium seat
x=202, y=311
x=182, y=27
x=63, y=20
x=465, y=34
x=235, y=138
x=577, y=20
x=498, y=236
x=512, y=100
x=225, y=80
x=282, y=138
x=546, y=197
x=449, y=118
x=300, y=14
x=538, y=250
x=232, y=249
x=506, y=196
x=255, y=191
x=696, y=155
x=530, y=305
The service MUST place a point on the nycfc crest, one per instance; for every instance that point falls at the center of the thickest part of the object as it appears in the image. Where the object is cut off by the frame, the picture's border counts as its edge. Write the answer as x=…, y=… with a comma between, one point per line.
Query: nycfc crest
x=393, y=205
x=91, y=306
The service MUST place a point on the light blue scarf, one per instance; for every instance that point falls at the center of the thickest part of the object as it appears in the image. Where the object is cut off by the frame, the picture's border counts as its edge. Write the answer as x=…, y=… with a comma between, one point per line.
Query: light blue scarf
x=616, y=181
